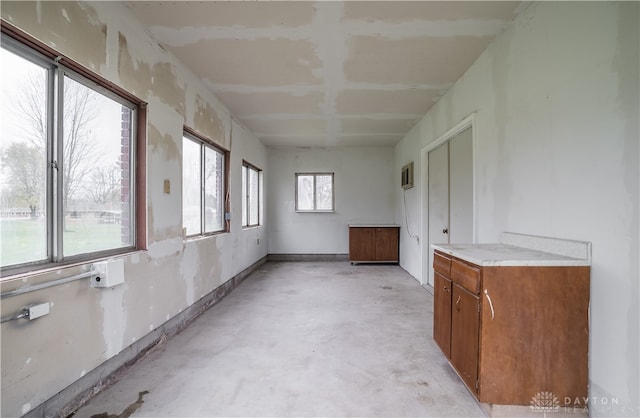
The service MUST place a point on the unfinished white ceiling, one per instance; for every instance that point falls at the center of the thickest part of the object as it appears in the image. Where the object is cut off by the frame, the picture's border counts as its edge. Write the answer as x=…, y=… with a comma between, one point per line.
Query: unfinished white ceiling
x=327, y=73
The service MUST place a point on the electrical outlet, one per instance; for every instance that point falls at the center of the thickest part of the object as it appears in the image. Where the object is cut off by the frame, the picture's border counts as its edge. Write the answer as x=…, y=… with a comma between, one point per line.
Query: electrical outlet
x=108, y=273
x=36, y=311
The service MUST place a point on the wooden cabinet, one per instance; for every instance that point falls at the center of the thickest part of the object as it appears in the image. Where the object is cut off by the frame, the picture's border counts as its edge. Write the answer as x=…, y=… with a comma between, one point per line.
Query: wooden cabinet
x=465, y=323
x=442, y=313
x=511, y=332
x=442, y=303
x=374, y=243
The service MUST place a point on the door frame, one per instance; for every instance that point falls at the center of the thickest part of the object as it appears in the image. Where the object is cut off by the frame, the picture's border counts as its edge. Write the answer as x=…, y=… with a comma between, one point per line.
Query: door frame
x=468, y=122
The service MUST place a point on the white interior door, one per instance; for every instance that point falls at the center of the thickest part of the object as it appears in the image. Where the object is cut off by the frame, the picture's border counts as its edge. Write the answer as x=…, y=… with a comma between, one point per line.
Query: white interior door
x=450, y=193
x=461, y=188
x=438, y=200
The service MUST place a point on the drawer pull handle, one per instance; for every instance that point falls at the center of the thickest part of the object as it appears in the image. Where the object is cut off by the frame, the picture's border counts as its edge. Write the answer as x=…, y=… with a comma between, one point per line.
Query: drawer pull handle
x=445, y=289
x=457, y=303
x=486, y=293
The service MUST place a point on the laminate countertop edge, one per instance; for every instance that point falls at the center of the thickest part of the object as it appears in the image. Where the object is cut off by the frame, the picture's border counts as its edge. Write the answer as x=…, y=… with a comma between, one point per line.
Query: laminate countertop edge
x=507, y=255
x=373, y=226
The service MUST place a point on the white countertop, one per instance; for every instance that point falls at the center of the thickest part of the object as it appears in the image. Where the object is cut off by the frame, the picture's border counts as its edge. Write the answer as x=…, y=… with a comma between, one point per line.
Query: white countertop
x=507, y=255
x=373, y=226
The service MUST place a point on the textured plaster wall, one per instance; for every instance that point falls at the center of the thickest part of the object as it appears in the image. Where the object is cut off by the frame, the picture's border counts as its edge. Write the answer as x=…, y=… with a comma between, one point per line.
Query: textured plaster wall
x=556, y=102
x=88, y=326
x=364, y=179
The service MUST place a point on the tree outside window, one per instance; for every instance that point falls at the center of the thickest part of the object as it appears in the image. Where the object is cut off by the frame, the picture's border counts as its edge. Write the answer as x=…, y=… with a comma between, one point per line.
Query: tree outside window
x=314, y=192
x=65, y=192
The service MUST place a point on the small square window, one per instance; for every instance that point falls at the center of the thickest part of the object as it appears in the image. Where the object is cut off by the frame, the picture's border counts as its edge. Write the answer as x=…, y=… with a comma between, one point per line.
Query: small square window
x=314, y=192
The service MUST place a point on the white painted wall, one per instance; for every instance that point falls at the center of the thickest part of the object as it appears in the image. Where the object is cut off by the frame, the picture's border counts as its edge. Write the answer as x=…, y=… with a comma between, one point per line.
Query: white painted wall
x=88, y=326
x=364, y=184
x=557, y=154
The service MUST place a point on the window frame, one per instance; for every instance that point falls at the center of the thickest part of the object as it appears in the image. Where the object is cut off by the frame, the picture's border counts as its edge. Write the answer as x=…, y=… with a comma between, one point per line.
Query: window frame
x=246, y=167
x=315, y=176
x=58, y=67
x=192, y=135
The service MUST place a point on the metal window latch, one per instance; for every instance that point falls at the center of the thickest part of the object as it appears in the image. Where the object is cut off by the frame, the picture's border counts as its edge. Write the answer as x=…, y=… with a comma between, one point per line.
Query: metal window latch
x=54, y=165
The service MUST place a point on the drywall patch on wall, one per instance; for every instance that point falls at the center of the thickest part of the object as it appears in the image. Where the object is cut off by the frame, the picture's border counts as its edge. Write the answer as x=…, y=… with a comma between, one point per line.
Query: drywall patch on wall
x=166, y=248
x=113, y=318
x=158, y=283
x=207, y=121
x=49, y=337
x=190, y=268
x=159, y=79
x=73, y=28
x=164, y=163
x=201, y=267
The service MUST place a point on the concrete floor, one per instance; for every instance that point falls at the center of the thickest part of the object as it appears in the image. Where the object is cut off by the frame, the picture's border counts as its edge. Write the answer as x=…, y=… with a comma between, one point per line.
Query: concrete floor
x=300, y=339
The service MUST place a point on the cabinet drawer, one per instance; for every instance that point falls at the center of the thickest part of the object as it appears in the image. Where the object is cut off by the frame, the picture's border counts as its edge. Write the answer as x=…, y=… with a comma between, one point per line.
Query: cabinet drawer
x=442, y=264
x=466, y=275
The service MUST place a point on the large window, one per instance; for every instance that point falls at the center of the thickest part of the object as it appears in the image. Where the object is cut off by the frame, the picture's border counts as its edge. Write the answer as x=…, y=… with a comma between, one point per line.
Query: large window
x=203, y=188
x=67, y=149
x=250, y=195
x=314, y=192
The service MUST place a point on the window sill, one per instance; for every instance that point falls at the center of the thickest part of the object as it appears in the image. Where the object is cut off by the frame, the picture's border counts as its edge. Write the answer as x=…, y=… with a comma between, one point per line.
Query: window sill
x=315, y=211
x=203, y=236
x=45, y=268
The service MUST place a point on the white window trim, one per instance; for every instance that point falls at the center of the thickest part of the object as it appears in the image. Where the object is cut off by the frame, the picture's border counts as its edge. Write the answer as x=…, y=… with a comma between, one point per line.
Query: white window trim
x=333, y=193
x=246, y=199
x=203, y=143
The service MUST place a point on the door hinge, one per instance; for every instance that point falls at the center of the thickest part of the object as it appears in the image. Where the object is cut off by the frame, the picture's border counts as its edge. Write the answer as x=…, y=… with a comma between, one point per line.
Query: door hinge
x=477, y=384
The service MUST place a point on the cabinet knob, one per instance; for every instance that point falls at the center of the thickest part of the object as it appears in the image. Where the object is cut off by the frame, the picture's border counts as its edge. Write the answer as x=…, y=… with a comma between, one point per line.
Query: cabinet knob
x=445, y=289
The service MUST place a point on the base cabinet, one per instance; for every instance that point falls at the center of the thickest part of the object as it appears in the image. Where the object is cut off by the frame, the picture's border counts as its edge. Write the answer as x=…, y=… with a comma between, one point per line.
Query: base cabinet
x=442, y=313
x=465, y=323
x=512, y=332
x=374, y=244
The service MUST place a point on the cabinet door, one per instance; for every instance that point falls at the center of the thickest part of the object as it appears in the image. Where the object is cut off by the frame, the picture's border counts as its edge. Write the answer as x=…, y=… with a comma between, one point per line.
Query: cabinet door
x=387, y=244
x=362, y=244
x=442, y=313
x=465, y=324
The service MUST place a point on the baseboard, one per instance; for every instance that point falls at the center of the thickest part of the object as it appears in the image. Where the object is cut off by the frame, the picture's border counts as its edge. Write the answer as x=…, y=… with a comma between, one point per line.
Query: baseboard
x=65, y=402
x=308, y=257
